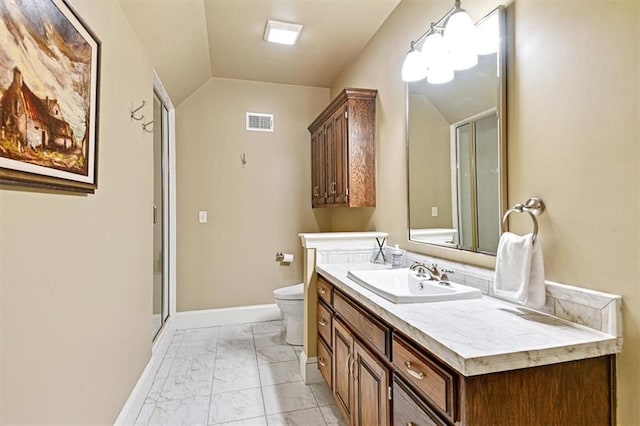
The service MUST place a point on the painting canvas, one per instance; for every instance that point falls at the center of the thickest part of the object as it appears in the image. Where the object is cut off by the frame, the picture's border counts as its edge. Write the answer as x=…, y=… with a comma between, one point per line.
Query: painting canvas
x=49, y=64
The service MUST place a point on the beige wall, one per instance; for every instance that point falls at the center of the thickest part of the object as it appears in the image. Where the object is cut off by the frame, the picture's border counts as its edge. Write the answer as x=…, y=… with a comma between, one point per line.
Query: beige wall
x=430, y=165
x=254, y=211
x=573, y=140
x=75, y=271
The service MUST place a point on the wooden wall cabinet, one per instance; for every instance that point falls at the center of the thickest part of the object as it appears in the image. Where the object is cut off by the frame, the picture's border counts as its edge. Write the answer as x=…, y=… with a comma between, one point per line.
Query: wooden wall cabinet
x=343, y=165
x=380, y=376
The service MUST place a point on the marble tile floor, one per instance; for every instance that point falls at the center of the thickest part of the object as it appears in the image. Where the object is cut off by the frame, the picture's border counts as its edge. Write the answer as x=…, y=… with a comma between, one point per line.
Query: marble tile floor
x=235, y=375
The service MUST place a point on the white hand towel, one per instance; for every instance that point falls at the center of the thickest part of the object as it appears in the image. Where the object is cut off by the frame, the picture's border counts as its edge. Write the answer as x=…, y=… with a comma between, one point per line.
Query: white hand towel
x=537, y=294
x=520, y=270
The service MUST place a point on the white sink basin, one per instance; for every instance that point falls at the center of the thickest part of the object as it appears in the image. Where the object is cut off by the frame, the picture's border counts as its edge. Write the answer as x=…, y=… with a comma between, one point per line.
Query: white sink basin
x=403, y=286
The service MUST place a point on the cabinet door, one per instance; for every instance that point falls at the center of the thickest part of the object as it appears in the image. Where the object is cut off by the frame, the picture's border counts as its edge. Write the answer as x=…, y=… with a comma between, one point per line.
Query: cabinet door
x=342, y=361
x=318, y=158
x=371, y=394
x=339, y=153
x=330, y=142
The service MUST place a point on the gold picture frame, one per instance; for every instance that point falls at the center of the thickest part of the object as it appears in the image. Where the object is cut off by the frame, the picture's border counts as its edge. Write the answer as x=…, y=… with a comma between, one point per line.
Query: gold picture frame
x=49, y=97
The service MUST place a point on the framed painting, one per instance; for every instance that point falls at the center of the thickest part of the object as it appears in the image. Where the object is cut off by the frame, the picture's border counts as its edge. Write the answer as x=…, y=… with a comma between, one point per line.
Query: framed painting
x=49, y=88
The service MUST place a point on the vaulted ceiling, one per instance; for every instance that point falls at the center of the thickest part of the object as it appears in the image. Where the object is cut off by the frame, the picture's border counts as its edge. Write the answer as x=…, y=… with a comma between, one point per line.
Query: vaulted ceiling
x=190, y=41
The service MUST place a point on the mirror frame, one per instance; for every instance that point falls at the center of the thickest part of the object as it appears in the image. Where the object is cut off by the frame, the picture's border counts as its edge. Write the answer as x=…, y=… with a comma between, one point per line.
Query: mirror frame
x=501, y=108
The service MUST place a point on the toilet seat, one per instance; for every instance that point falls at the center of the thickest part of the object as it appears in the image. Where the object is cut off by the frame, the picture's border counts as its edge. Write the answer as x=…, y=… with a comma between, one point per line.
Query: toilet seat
x=292, y=292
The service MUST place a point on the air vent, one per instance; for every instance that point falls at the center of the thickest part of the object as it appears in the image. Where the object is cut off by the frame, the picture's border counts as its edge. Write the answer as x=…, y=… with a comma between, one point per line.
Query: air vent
x=257, y=122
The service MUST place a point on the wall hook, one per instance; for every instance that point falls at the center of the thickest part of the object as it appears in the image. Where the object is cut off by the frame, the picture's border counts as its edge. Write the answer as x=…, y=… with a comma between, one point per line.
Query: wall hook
x=243, y=160
x=133, y=111
x=144, y=127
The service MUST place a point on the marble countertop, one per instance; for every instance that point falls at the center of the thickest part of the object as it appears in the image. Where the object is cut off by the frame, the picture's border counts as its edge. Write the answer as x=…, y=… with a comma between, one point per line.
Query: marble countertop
x=479, y=336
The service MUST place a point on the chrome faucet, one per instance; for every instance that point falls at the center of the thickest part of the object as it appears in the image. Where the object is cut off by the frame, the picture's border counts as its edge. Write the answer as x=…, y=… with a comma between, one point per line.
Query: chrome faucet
x=422, y=271
x=434, y=274
x=420, y=268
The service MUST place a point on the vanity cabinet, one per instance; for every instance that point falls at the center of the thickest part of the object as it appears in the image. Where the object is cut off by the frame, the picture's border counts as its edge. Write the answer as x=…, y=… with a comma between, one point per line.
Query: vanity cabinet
x=380, y=376
x=343, y=151
x=360, y=380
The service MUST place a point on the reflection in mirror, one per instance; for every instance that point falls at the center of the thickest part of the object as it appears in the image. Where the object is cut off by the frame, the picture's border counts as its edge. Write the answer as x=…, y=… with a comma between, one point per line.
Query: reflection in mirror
x=455, y=138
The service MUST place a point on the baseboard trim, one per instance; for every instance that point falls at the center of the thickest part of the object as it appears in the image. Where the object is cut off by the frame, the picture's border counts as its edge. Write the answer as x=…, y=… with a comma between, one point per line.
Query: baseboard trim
x=136, y=399
x=309, y=369
x=226, y=316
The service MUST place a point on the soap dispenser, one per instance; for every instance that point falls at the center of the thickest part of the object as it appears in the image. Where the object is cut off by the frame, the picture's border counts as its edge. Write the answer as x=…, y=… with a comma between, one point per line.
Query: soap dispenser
x=396, y=257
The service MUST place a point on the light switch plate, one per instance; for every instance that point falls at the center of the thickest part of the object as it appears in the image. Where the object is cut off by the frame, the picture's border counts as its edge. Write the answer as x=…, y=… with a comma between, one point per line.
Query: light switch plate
x=434, y=211
x=202, y=217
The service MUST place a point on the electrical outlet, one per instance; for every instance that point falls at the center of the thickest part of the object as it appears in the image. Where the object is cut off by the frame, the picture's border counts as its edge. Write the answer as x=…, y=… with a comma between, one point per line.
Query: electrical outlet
x=202, y=217
x=434, y=211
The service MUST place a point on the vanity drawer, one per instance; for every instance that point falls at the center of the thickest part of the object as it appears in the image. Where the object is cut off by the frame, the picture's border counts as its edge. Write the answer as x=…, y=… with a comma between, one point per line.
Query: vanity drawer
x=431, y=380
x=324, y=323
x=324, y=362
x=325, y=290
x=362, y=323
x=409, y=410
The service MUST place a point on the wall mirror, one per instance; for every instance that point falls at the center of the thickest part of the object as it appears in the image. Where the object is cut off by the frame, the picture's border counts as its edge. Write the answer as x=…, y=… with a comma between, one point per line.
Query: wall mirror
x=456, y=153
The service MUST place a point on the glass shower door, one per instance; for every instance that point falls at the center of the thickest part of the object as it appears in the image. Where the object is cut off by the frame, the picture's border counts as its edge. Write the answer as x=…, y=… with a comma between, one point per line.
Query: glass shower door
x=160, y=311
x=478, y=191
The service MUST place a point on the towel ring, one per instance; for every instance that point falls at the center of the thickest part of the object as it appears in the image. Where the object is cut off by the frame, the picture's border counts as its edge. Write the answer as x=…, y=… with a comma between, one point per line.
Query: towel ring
x=534, y=207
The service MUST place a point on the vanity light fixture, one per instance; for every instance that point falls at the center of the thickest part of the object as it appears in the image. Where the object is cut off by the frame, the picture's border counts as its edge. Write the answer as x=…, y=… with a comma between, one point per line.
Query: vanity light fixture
x=449, y=44
x=282, y=32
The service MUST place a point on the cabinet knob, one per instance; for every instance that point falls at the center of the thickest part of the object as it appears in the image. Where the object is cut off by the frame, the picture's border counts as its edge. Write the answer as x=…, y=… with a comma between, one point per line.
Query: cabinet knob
x=416, y=374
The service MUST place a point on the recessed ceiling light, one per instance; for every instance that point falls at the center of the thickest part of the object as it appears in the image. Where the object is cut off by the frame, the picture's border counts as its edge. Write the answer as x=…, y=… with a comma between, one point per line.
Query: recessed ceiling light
x=282, y=32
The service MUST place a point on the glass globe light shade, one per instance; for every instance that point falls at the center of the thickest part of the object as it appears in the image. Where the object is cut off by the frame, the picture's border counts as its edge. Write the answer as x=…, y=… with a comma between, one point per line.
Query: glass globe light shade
x=439, y=68
x=434, y=48
x=459, y=34
x=414, y=67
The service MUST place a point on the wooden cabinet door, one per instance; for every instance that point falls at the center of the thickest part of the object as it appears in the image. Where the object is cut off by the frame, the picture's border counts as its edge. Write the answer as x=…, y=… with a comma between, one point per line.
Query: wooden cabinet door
x=342, y=361
x=318, y=154
x=371, y=393
x=339, y=155
x=330, y=178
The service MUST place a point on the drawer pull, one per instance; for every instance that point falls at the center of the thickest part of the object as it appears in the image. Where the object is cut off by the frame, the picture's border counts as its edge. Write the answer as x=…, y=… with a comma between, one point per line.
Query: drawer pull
x=410, y=424
x=348, y=365
x=417, y=374
x=322, y=362
x=322, y=322
x=321, y=290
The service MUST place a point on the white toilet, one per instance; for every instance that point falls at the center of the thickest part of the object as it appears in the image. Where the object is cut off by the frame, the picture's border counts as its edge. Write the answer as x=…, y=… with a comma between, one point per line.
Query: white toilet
x=289, y=300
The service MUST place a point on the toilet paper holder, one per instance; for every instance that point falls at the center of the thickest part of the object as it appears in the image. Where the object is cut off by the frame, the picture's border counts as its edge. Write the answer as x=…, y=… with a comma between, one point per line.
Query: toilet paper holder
x=284, y=257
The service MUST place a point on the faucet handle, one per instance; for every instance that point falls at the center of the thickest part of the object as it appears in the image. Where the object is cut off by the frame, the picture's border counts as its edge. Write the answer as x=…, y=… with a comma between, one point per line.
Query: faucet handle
x=444, y=276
